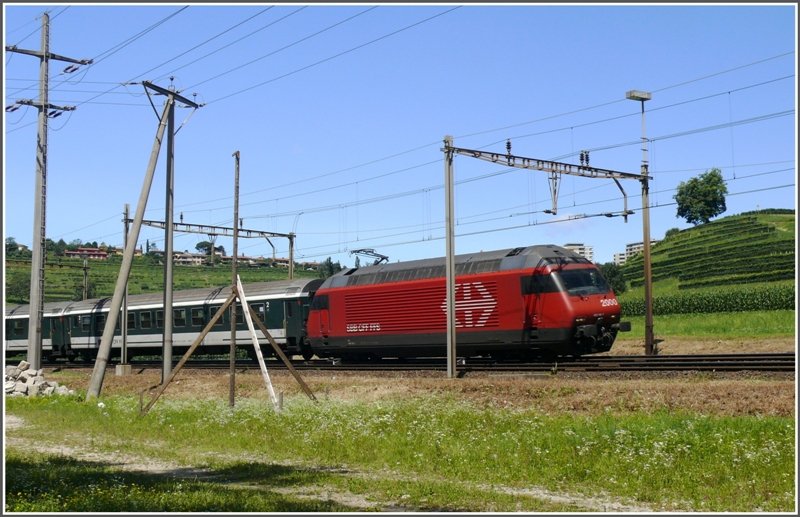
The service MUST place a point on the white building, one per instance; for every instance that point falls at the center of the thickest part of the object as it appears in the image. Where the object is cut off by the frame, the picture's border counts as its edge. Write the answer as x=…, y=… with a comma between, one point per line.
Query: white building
x=581, y=249
x=631, y=249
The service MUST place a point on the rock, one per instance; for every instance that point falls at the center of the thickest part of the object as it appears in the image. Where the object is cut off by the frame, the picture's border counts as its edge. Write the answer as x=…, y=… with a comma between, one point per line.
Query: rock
x=10, y=385
x=24, y=365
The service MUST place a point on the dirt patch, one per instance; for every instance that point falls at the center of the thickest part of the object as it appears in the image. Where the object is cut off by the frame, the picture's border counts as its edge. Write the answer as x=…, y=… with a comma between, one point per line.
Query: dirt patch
x=686, y=346
x=739, y=393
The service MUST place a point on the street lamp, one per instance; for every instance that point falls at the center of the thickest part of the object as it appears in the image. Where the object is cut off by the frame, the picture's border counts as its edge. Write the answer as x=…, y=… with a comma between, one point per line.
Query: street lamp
x=649, y=341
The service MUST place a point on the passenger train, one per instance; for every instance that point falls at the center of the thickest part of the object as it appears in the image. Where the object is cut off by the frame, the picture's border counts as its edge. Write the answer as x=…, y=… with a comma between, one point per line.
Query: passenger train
x=525, y=302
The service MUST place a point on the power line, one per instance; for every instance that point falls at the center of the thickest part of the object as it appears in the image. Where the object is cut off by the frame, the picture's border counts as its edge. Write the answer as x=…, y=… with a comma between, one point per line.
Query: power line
x=329, y=58
x=273, y=52
x=544, y=132
x=500, y=172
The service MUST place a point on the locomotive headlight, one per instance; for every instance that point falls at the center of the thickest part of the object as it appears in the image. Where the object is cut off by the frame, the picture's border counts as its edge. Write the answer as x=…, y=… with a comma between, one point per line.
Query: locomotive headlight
x=580, y=320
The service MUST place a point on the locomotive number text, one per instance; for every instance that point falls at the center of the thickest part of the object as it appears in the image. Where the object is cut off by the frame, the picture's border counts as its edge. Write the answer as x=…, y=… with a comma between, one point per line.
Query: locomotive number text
x=608, y=302
x=363, y=327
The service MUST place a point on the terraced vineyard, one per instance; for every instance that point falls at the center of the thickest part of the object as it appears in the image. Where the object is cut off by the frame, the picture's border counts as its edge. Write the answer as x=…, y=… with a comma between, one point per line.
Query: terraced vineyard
x=743, y=262
x=64, y=278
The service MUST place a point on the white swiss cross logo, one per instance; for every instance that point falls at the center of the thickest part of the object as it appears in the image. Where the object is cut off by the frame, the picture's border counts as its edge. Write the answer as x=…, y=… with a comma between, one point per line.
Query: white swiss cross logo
x=474, y=305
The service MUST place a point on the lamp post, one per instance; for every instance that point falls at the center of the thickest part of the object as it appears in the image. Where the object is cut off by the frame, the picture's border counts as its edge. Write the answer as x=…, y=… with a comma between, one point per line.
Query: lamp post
x=649, y=341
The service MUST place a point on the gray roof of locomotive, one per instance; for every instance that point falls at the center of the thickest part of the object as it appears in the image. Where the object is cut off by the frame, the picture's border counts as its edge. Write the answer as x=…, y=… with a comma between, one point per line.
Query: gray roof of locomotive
x=499, y=260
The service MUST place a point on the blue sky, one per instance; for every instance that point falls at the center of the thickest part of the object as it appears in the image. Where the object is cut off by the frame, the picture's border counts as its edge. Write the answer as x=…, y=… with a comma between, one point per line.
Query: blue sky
x=339, y=114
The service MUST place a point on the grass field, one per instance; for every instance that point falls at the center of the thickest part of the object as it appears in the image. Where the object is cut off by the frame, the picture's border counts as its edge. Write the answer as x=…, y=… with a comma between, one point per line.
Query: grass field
x=508, y=443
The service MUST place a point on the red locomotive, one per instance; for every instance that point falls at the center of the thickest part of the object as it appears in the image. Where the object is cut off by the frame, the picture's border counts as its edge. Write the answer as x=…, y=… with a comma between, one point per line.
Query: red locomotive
x=522, y=302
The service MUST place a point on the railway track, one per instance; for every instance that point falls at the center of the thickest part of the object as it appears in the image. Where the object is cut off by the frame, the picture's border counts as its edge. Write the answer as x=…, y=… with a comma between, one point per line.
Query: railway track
x=768, y=362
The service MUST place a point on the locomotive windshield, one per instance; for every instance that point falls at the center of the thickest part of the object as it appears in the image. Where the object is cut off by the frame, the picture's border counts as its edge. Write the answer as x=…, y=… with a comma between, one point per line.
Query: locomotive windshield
x=582, y=282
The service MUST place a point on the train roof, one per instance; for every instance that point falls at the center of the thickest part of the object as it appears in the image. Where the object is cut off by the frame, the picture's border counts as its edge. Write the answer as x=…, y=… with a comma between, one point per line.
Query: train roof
x=261, y=290
x=486, y=261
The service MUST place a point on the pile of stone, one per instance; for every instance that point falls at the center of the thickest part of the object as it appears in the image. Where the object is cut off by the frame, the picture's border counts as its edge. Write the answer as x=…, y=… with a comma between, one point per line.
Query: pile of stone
x=23, y=381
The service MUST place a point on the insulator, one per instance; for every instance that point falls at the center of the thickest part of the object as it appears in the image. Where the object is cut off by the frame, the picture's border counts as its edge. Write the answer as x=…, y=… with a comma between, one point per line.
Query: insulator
x=508, y=146
x=13, y=107
x=70, y=69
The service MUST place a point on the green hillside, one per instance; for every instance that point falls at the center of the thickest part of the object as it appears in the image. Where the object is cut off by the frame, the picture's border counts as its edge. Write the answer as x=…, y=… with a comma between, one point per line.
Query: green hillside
x=740, y=262
x=746, y=248
x=64, y=277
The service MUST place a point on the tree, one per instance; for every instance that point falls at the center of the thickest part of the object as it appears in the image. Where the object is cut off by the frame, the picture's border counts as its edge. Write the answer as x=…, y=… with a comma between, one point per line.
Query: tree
x=11, y=246
x=329, y=268
x=204, y=247
x=59, y=248
x=18, y=287
x=702, y=198
x=671, y=232
x=614, y=277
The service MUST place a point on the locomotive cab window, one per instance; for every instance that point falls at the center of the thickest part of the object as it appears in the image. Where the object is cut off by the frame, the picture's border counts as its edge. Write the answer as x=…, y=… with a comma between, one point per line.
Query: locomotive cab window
x=582, y=282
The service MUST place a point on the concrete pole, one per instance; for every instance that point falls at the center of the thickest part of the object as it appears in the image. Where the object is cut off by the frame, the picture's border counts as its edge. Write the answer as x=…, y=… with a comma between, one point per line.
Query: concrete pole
x=291, y=256
x=450, y=273
x=232, y=375
x=40, y=197
x=124, y=327
x=166, y=366
x=649, y=337
x=85, y=280
x=96, y=382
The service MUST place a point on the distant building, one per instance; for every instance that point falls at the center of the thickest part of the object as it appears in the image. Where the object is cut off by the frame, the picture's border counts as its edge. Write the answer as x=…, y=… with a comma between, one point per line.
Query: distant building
x=137, y=252
x=188, y=259
x=631, y=249
x=89, y=253
x=585, y=251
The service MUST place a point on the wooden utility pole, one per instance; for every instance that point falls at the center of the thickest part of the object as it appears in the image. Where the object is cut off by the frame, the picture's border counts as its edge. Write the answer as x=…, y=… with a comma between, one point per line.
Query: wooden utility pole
x=40, y=196
x=232, y=387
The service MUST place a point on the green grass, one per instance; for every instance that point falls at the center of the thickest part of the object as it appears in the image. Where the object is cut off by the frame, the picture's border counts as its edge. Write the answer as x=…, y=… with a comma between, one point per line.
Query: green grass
x=720, y=325
x=434, y=452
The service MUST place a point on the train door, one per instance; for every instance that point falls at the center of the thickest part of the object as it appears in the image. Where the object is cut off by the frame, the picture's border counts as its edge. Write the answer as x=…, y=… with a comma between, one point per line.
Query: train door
x=319, y=318
x=60, y=336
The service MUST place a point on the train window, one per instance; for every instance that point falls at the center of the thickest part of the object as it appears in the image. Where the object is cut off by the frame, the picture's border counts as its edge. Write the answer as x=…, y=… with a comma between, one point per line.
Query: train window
x=538, y=284
x=259, y=308
x=19, y=327
x=100, y=321
x=179, y=317
x=86, y=323
x=76, y=322
x=213, y=311
x=197, y=318
x=131, y=320
x=160, y=319
x=289, y=306
x=239, y=314
x=146, y=319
